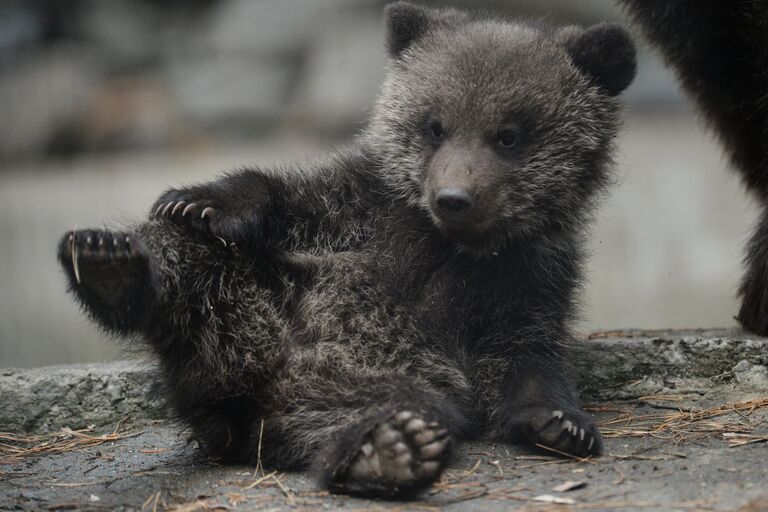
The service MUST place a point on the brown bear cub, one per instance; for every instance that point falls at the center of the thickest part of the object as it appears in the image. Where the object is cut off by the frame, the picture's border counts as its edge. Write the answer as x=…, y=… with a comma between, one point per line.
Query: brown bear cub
x=360, y=314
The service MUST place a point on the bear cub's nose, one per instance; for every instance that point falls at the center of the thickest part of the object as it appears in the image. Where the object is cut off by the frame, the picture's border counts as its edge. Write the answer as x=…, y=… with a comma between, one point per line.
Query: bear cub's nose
x=453, y=200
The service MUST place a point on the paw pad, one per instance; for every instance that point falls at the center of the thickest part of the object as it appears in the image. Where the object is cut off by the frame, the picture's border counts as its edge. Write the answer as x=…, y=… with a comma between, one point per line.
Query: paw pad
x=403, y=452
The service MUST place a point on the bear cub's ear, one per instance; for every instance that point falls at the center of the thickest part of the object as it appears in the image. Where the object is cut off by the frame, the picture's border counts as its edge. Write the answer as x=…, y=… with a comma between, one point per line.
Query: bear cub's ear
x=604, y=53
x=405, y=24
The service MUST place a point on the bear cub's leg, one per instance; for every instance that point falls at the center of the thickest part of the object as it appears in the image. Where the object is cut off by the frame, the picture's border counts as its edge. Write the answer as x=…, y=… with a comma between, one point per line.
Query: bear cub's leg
x=539, y=408
x=397, y=456
x=110, y=273
x=567, y=430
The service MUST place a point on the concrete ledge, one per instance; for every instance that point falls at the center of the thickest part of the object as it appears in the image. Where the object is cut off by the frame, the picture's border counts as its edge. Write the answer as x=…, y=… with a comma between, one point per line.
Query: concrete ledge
x=51, y=397
x=626, y=364
x=613, y=365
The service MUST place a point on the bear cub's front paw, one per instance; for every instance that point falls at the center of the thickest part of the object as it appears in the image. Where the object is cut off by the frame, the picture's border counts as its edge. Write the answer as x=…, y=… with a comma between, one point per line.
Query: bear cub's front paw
x=203, y=210
x=570, y=431
x=399, y=457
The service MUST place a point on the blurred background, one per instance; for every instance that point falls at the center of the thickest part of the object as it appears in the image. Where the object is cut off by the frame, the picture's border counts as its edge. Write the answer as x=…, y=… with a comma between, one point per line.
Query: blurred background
x=104, y=103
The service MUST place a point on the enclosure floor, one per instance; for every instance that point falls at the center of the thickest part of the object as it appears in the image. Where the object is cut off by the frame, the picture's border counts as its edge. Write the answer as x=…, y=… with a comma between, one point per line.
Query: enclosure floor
x=689, y=465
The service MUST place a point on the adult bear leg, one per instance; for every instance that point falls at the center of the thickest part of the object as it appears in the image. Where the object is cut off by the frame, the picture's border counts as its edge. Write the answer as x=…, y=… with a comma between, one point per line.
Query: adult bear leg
x=753, y=314
x=720, y=53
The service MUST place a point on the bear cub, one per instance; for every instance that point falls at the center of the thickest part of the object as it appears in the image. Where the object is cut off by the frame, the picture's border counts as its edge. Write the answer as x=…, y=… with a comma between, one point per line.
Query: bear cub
x=362, y=313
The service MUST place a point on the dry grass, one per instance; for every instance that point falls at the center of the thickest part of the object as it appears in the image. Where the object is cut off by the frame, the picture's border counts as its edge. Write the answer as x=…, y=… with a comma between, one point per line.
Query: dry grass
x=14, y=448
x=690, y=424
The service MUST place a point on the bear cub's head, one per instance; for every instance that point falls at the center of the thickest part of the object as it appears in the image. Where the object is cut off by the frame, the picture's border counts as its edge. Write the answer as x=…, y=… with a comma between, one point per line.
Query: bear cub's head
x=498, y=129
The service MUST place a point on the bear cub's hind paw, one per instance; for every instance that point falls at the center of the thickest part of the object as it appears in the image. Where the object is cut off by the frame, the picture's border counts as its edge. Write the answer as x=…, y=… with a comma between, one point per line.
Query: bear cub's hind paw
x=571, y=432
x=400, y=457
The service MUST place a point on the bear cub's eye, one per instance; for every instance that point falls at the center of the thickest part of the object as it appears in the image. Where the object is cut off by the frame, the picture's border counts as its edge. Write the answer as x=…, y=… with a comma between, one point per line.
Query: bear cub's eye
x=434, y=131
x=507, y=138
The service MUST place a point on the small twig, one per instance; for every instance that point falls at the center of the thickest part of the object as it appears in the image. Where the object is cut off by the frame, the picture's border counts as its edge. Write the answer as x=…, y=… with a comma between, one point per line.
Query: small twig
x=259, y=466
x=473, y=469
x=259, y=480
x=287, y=492
x=574, y=457
x=620, y=479
x=78, y=484
x=157, y=498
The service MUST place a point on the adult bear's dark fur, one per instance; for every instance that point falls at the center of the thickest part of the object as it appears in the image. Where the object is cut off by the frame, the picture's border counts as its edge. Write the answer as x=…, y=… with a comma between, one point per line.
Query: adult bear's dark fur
x=410, y=290
x=720, y=51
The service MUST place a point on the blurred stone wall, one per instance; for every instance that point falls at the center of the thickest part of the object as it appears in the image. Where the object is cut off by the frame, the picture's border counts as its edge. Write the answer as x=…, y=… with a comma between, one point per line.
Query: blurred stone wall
x=104, y=75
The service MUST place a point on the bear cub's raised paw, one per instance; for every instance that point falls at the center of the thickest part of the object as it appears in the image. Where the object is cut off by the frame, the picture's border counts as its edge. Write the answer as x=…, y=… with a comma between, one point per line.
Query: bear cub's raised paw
x=102, y=258
x=400, y=456
x=571, y=432
x=110, y=273
x=202, y=209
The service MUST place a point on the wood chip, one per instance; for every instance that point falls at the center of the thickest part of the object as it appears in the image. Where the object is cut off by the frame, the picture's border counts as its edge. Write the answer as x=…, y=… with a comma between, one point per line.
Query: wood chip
x=570, y=485
x=548, y=498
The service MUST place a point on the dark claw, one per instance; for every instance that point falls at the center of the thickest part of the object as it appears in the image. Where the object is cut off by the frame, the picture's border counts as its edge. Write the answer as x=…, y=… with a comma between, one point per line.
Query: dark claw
x=207, y=212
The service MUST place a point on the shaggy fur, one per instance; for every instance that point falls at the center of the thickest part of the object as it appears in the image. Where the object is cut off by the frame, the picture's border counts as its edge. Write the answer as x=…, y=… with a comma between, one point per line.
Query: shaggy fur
x=409, y=291
x=720, y=53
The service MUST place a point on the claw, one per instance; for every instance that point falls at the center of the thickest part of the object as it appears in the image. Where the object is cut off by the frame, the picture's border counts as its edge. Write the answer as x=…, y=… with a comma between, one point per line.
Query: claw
x=581, y=434
x=188, y=208
x=75, y=265
x=558, y=415
x=591, y=442
x=567, y=425
x=433, y=450
x=207, y=212
x=425, y=437
x=159, y=209
x=178, y=205
x=167, y=207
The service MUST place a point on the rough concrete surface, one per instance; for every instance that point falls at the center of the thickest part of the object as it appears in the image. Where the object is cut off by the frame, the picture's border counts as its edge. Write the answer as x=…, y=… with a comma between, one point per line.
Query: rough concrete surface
x=685, y=415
